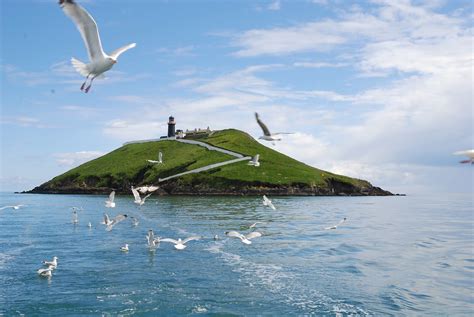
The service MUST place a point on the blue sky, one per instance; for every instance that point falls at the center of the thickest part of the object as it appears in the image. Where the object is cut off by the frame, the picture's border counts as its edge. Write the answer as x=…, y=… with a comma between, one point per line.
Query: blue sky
x=380, y=90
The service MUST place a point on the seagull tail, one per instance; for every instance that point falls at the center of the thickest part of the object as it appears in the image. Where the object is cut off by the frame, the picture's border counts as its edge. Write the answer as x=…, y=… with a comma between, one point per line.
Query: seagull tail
x=80, y=67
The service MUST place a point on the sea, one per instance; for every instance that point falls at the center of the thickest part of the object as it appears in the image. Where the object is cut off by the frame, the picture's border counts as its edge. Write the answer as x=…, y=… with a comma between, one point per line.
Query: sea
x=393, y=256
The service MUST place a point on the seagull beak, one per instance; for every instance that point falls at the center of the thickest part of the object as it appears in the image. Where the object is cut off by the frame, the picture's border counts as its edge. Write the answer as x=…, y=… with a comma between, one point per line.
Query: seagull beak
x=114, y=61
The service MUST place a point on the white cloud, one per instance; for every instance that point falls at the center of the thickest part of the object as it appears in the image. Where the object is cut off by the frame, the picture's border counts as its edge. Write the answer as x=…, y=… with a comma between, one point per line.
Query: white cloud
x=274, y=6
x=319, y=64
x=23, y=121
x=188, y=50
x=76, y=158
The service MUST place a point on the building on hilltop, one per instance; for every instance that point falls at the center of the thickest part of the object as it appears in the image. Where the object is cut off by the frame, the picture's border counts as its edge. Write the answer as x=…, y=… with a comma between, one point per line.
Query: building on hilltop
x=171, y=127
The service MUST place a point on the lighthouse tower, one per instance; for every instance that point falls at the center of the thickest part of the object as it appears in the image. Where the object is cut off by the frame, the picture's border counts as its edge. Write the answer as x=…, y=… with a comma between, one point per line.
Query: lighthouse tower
x=171, y=127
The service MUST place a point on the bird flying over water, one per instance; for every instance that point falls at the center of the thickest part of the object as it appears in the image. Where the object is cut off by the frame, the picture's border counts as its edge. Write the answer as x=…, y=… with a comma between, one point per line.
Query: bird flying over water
x=138, y=200
x=16, y=207
x=180, y=244
x=267, y=202
x=151, y=240
x=469, y=154
x=254, y=161
x=335, y=226
x=100, y=62
x=244, y=238
x=109, y=203
x=267, y=136
x=75, y=219
x=160, y=159
x=111, y=223
x=147, y=189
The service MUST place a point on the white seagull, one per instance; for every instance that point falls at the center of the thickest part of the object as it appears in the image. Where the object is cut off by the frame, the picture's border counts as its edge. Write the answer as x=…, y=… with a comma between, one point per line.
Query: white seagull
x=109, y=203
x=124, y=248
x=160, y=159
x=75, y=219
x=52, y=264
x=16, y=207
x=45, y=272
x=100, y=62
x=138, y=200
x=267, y=136
x=244, y=238
x=267, y=202
x=253, y=225
x=151, y=240
x=335, y=226
x=254, y=161
x=469, y=154
x=90, y=225
x=180, y=244
x=135, y=221
x=147, y=189
x=111, y=223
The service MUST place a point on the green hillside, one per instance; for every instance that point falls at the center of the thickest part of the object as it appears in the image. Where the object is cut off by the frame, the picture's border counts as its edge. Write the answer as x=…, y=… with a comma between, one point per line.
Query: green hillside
x=277, y=174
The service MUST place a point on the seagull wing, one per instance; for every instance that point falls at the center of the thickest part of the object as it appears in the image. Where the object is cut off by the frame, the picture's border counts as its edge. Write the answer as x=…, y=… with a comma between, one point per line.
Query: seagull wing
x=112, y=196
x=5, y=207
x=86, y=26
x=136, y=195
x=115, y=54
x=146, y=197
x=169, y=240
x=252, y=235
x=262, y=125
x=191, y=239
x=160, y=157
x=106, y=219
x=271, y=205
x=234, y=234
x=119, y=218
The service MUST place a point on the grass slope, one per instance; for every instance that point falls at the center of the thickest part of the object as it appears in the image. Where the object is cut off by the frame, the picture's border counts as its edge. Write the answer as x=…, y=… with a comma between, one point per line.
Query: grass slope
x=127, y=166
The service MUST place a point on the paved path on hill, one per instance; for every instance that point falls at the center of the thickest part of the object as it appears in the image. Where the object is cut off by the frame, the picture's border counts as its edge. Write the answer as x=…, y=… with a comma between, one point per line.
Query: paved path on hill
x=239, y=157
x=205, y=168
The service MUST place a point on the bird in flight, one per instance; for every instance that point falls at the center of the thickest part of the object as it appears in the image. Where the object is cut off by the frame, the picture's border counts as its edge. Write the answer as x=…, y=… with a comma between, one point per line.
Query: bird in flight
x=335, y=226
x=138, y=200
x=111, y=223
x=267, y=136
x=469, y=154
x=109, y=203
x=16, y=207
x=244, y=238
x=160, y=159
x=100, y=62
x=180, y=244
x=267, y=202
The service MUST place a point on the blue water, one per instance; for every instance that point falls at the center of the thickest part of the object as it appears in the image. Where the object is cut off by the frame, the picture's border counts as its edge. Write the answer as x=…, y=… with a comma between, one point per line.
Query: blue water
x=394, y=256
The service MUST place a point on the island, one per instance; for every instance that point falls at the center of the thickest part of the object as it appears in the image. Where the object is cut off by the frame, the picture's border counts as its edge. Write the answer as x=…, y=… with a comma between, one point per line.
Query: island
x=207, y=163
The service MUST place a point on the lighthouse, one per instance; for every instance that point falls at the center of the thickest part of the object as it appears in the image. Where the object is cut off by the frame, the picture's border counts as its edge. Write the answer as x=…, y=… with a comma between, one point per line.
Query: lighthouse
x=171, y=127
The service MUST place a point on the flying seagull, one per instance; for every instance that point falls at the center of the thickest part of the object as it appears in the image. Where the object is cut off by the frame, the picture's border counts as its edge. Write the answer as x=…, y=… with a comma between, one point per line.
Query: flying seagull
x=267, y=202
x=111, y=223
x=254, y=161
x=335, y=226
x=244, y=238
x=75, y=219
x=135, y=221
x=16, y=207
x=469, y=154
x=151, y=240
x=109, y=203
x=180, y=244
x=138, y=200
x=147, y=189
x=100, y=62
x=160, y=159
x=267, y=136
x=253, y=225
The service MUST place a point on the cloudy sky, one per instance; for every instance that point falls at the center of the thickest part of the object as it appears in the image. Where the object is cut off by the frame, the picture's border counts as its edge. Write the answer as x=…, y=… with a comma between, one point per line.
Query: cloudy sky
x=380, y=90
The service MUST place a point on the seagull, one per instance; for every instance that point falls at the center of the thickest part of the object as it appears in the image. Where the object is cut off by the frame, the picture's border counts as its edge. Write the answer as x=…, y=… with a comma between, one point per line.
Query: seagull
x=267, y=136
x=335, y=226
x=267, y=202
x=254, y=224
x=135, y=221
x=180, y=244
x=109, y=203
x=469, y=154
x=124, y=248
x=52, y=264
x=75, y=219
x=16, y=207
x=254, y=161
x=151, y=240
x=244, y=238
x=147, y=189
x=90, y=225
x=160, y=159
x=216, y=237
x=111, y=223
x=45, y=272
x=138, y=200
x=100, y=62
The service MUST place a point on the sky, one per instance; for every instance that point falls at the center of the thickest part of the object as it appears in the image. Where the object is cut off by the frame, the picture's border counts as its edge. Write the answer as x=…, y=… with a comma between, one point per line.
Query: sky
x=380, y=90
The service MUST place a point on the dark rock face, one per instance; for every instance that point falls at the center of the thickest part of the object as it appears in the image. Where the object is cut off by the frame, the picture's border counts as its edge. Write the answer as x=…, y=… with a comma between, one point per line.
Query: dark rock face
x=223, y=187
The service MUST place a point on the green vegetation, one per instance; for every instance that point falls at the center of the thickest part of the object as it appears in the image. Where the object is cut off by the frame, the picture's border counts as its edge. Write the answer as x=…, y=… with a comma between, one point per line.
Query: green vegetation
x=277, y=173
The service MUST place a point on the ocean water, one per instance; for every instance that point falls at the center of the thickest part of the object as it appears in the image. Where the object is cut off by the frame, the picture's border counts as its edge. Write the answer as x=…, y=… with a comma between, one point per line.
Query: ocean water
x=396, y=256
